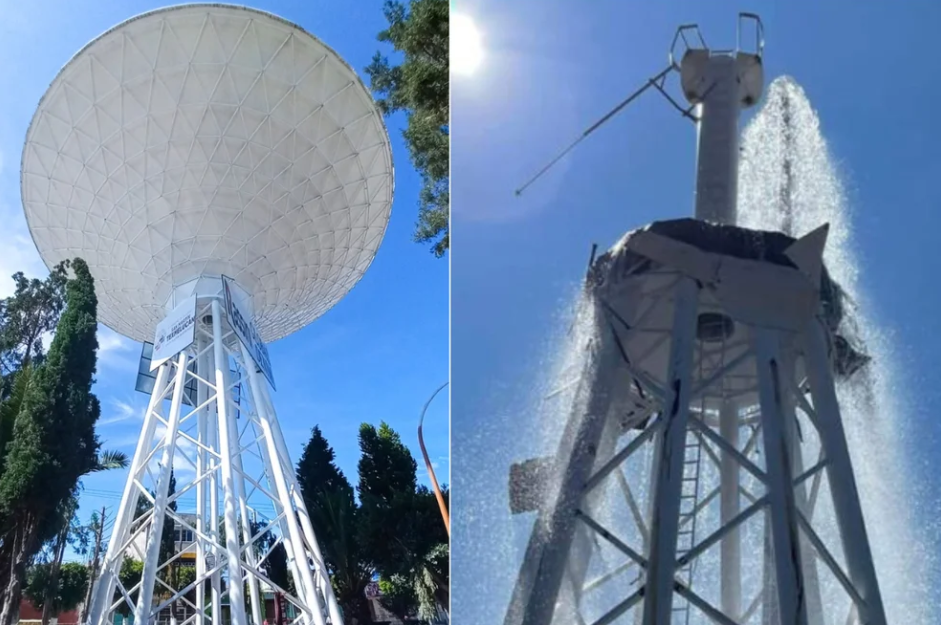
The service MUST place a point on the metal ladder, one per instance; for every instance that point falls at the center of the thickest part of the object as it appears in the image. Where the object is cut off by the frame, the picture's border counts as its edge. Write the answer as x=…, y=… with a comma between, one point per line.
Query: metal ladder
x=686, y=536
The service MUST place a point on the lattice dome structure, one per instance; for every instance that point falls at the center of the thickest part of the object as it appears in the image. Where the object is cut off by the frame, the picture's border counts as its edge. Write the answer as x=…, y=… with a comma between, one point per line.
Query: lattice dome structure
x=209, y=140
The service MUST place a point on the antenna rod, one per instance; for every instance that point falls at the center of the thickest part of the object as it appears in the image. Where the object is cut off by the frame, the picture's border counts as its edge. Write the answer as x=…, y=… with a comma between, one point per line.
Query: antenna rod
x=617, y=109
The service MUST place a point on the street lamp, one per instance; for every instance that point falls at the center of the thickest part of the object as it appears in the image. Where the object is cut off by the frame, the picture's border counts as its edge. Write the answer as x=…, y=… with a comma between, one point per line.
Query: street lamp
x=431, y=472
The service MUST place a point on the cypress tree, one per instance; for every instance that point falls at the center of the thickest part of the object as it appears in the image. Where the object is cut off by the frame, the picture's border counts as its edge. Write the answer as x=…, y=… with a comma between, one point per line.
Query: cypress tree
x=53, y=442
x=329, y=499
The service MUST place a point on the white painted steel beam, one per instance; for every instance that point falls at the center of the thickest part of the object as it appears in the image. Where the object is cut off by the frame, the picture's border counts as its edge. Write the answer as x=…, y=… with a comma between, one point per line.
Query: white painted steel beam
x=539, y=582
x=788, y=570
x=848, y=510
x=658, y=595
x=219, y=485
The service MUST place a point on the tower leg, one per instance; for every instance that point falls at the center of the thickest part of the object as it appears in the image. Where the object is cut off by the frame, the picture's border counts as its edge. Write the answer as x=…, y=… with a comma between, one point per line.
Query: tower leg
x=228, y=444
x=323, y=578
x=787, y=561
x=658, y=598
x=540, y=579
x=808, y=557
x=101, y=604
x=770, y=615
x=239, y=478
x=292, y=561
x=213, y=427
x=202, y=435
x=302, y=567
x=849, y=514
x=215, y=582
x=152, y=559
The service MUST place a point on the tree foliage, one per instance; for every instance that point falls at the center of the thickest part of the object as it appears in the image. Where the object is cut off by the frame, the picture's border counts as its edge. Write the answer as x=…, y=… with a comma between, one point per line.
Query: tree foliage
x=53, y=442
x=130, y=575
x=68, y=590
x=168, y=537
x=32, y=312
x=10, y=407
x=328, y=496
x=401, y=523
x=419, y=86
x=394, y=529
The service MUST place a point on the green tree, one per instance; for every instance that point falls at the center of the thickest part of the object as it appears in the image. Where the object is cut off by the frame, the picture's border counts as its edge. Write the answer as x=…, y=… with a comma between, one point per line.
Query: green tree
x=66, y=590
x=276, y=567
x=168, y=537
x=53, y=442
x=71, y=532
x=329, y=499
x=317, y=471
x=419, y=86
x=10, y=407
x=398, y=596
x=31, y=312
x=130, y=575
x=400, y=522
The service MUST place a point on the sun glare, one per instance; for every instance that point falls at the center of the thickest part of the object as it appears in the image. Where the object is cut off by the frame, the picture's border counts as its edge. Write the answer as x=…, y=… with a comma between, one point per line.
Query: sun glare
x=466, y=51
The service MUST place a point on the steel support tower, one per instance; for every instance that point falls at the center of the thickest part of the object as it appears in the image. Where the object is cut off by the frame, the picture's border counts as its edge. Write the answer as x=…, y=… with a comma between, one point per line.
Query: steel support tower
x=228, y=178
x=209, y=440
x=705, y=426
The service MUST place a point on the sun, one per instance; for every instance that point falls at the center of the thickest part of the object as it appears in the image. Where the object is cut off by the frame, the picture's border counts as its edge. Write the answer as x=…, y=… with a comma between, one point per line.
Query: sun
x=466, y=50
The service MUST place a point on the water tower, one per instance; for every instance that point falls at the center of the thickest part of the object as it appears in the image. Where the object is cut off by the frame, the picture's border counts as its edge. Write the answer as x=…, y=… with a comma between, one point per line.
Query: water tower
x=228, y=179
x=683, y=490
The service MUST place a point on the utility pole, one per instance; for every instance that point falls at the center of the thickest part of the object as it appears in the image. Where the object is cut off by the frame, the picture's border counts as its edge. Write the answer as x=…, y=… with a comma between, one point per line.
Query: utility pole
x=93, y=574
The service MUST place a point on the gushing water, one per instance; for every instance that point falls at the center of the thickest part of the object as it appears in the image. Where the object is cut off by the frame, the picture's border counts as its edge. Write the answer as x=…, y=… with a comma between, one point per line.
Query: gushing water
x=787, y=182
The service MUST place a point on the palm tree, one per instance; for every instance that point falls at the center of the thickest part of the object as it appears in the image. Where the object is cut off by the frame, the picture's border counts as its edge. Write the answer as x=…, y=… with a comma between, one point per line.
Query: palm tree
x=110, y=459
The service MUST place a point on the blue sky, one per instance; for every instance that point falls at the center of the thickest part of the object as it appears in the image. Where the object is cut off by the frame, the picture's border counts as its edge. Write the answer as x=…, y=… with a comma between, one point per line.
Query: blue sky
x=551, y=68
x=377, y=355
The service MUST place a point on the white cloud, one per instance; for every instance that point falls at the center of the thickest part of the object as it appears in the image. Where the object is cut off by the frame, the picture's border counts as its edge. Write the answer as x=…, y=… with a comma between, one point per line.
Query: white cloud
x=122, y=411
x=116, y=351
x=111, y=341
x=19, y=254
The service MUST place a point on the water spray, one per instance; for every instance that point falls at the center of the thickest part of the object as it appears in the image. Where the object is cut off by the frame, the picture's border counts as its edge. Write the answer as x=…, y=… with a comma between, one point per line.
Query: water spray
x=709, y=388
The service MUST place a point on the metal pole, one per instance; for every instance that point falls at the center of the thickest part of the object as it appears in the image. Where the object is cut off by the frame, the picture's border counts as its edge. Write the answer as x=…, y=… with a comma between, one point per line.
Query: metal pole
x=658, y=595
x=785, y=539
x=202, y=394
x=730, y=506
x=307, y=529
x=282, y=523
x=305, y=584
x=849, y=513
x=227, y=444
x=431, y=472
x=540, y=579
x=100, y=609
x=213, y=427
x=717, y=151
x=243, y=506
x=152, y=559
x=812, y=595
